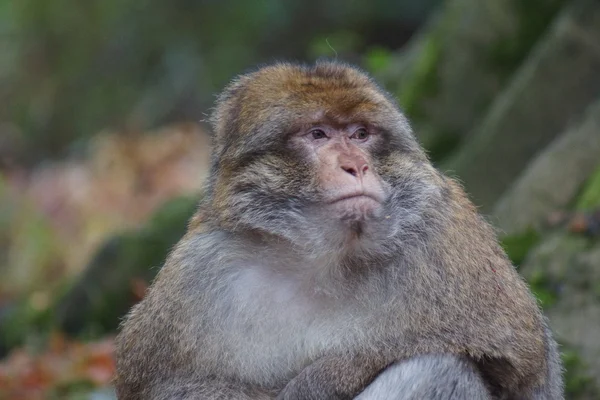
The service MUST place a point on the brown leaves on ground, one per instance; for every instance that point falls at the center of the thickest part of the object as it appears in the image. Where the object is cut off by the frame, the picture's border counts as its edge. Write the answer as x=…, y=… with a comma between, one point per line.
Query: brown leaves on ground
x=63, y=366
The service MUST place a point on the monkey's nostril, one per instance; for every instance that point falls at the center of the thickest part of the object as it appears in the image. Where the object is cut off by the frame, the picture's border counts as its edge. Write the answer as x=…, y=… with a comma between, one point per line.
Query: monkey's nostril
x=351, y=171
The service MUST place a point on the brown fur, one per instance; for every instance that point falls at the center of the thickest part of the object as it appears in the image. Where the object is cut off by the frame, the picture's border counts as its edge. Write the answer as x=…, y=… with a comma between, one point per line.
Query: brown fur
x=440, y=284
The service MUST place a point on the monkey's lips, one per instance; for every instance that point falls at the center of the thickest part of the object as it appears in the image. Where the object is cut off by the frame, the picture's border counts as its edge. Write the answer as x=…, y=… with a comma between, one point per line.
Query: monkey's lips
x=355, y=197
x=356, y=203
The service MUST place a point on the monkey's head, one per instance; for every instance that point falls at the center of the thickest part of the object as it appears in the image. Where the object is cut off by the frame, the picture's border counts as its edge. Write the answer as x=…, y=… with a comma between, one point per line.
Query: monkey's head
x=317, y=155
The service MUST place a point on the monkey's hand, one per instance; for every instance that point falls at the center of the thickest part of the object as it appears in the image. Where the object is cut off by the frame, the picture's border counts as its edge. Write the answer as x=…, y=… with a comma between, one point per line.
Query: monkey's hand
x=333, y=377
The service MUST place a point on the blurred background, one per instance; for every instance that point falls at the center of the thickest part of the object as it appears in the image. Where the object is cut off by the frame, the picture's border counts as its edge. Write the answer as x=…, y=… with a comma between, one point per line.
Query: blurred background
x=103, y=149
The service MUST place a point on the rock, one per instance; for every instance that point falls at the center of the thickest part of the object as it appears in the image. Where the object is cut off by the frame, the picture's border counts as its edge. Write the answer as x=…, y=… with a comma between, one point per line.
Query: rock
x=459, y=61
x=590, y=197
x=556, y=83
x=564, y=271
x=107, y=289
x=554, y=178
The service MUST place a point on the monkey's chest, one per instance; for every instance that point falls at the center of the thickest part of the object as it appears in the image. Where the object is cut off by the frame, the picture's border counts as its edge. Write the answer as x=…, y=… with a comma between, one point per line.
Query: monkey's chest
x=275, y=328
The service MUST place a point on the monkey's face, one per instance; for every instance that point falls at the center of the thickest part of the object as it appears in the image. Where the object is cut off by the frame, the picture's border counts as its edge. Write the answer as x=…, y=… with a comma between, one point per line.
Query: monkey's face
x=320, y=157
x=344, y=175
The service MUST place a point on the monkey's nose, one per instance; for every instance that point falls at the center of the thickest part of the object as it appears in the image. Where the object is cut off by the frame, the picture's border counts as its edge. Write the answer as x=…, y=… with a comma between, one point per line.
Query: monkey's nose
x=357, y=167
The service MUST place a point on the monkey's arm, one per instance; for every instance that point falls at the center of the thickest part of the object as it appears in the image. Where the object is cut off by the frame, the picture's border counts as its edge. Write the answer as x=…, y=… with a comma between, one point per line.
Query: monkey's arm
x=428, y=377
x=423, y=377
x=188, y=388
x=218, y=390
x=451, y=377
x=333, y=377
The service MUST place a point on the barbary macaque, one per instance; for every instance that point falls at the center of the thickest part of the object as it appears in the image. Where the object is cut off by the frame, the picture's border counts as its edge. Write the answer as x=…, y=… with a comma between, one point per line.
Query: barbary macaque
x=330, y=260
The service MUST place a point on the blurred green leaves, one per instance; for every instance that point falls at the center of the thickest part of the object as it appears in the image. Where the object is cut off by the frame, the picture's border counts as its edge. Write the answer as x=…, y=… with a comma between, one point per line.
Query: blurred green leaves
x=590, y=197
x=70, y=68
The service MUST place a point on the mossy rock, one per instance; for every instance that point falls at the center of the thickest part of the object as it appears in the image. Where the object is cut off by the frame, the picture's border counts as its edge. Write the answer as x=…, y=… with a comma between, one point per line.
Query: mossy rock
x=554, y=179
x=532, y=18
x=103, y=294
x=94, y=304
x=579, y=384
x=460, y=61
x=563, y=270
x=527, y=116
x=590, y=196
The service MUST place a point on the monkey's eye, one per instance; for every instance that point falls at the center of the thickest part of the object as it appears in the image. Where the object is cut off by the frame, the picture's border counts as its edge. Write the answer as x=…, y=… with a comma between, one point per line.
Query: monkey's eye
x=318, y=134
x=361, y=134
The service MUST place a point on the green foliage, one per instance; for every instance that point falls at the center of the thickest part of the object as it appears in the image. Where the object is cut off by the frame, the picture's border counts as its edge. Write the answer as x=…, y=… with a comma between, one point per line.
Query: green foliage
x=441, y=144
x=532, y=19
x=122, y=62
x=25, y=323
x=334, y=45
x=517, y=246
x=578, y=383
x=69, y=68
x=590, y=197
x=77, y=390
x=28, y=243
x=377, y=59
x=423, y=80
x=6, y=212
x=543, y=288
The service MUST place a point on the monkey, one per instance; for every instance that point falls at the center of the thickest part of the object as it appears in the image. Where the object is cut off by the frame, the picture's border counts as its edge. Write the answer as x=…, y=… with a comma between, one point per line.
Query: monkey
x=329, y=259
x=454, y=378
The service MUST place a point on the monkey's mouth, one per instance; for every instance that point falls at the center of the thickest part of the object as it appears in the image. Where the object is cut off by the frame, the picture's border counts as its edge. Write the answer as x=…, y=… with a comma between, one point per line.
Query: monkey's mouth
x=352, y=197
x=355, y=206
